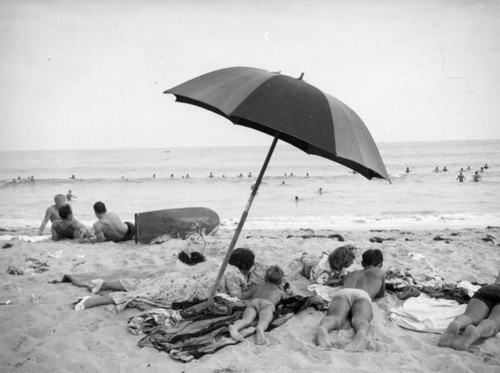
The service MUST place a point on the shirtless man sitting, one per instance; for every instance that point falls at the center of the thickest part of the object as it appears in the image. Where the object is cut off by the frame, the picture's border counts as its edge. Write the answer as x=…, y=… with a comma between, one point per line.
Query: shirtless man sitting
x=67, y=226
x=264, y=300
x=110, y=227
x=355, y=299
x=52, y=212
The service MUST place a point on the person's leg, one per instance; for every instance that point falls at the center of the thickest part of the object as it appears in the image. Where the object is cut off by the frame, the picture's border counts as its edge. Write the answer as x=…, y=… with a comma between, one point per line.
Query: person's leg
x=486, y=328
x=336, y=315
x=265, y=318
x=112, y=285
x=362, y=314
x=476, y=311
x=98, y=285
x=307, y=266
x=247, y=318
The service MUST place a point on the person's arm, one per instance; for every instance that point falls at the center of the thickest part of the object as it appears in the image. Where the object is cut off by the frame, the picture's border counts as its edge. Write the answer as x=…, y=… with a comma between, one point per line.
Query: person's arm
x=99, y=234
x=247, y=293
x=335, y=282
x=44, y=222
x=381, y=292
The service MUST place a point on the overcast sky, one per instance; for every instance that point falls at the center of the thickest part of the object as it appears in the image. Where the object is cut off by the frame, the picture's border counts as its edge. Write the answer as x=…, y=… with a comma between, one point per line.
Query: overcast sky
x=90, y=74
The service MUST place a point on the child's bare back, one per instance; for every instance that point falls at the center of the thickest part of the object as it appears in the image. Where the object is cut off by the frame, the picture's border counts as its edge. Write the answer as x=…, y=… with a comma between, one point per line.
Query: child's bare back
x=268, y=291
x=370, y=280
x=264, y=300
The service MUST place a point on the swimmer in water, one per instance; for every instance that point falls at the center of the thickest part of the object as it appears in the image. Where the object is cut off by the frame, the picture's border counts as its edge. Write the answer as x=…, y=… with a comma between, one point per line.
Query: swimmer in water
x=461, y=177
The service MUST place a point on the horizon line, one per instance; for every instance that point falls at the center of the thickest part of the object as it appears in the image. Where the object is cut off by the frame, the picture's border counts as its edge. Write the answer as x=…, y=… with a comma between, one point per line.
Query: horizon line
x=282, y=143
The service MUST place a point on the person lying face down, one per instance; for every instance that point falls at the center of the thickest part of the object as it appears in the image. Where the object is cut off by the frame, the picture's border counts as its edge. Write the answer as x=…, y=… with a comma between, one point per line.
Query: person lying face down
x=480, y=320
x=264, y=300
x=193, y=278
x=355, y=300
x=110, y=227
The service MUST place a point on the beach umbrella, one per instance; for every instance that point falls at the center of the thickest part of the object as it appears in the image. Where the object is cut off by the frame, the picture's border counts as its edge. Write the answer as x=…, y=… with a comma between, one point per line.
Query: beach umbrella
x=288, y=109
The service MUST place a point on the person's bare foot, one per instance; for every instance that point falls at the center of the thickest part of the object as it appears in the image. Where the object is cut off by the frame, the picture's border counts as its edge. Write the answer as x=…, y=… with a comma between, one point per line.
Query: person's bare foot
x=449, y=335
x=247, y=331
x=323, y=339
x=357, y=342
x=97, y=285
x=465, y=340
x=234, y=334
x=302, y=257
x=260, y=339
x=80, y=305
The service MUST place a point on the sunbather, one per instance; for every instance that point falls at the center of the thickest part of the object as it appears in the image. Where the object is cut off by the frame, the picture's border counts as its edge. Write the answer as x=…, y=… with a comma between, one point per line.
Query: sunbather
x=330, y=269
x=67, y=227
x=480, y=320
x=355, y=300
x=264, y=300
x=194, y=278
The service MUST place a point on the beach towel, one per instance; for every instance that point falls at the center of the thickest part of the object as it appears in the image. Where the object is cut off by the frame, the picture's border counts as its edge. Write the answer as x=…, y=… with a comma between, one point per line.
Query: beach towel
x=426, y=314
x=207, y=333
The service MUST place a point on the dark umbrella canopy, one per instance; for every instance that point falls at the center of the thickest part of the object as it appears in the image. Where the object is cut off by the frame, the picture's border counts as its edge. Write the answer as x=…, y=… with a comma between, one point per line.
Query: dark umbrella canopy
x=289, y=109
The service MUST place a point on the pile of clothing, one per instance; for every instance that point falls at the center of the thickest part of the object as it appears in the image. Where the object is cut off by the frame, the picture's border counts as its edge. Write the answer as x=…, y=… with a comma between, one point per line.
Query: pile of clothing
x=32, y=265
x=405, y=285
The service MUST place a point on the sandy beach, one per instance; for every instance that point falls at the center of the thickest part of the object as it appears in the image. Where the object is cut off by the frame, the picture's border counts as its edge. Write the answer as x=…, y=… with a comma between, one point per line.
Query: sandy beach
x=39, y=330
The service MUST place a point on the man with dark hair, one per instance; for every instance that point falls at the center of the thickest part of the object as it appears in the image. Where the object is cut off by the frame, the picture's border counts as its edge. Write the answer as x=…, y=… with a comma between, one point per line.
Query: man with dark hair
x=67, y=226
x=110, y=227
x=355, y=299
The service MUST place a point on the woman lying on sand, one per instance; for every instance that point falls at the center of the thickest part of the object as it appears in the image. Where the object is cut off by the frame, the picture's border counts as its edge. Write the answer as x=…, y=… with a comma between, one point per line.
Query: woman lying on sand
x=194, y=278
x=330, y=269
x=480, y=320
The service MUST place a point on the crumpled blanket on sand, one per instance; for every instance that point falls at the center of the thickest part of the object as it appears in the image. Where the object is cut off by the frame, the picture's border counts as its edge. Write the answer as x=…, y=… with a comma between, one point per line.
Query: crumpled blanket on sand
x=208, y=332
x=147, y=321
x=32, y=265
x=426, y=314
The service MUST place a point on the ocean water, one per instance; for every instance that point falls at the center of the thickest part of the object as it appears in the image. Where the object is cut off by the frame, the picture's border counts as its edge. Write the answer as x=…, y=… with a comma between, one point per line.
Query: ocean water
x=123, y=179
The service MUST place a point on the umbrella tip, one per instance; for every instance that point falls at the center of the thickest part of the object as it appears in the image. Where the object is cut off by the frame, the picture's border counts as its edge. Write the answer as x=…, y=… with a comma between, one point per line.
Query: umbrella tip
x=301, y=76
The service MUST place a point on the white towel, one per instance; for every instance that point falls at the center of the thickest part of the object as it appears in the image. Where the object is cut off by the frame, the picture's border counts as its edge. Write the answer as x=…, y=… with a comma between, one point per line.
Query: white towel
x=426, y=314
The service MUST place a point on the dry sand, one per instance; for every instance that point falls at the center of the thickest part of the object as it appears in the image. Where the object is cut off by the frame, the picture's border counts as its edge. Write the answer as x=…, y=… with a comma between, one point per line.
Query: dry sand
x=40, y=332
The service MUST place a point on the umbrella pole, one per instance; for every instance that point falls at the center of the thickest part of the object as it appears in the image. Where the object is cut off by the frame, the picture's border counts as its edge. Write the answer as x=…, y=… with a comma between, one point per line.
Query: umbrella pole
x=241, y=223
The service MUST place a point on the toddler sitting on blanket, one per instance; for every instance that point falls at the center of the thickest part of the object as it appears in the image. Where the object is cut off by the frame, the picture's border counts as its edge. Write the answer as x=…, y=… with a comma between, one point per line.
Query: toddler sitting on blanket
x=264, y=300
x=330, y=269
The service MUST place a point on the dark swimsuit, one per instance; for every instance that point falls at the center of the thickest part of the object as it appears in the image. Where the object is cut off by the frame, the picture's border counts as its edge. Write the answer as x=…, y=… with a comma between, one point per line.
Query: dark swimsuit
x=489, y=295
x=130, y=232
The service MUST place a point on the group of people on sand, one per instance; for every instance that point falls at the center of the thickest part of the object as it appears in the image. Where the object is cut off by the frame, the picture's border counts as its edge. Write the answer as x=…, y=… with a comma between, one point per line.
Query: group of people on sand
x=108, y=227
x=263, y=289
